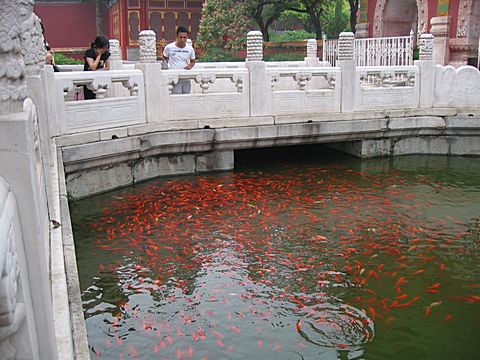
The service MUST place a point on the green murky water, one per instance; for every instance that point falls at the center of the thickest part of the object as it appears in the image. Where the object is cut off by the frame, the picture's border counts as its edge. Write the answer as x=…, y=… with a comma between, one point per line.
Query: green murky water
x=320, y=258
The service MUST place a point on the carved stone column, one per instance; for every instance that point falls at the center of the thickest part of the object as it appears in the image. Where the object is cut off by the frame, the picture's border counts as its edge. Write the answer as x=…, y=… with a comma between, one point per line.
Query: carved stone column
x=254, y=46
x=260, y=89
x=426, y=47
x=427, y=70
x=440, y=29
x=346, y=61
x=13, y=87
x=148, y=46
x=115, y=51
x=312, y=50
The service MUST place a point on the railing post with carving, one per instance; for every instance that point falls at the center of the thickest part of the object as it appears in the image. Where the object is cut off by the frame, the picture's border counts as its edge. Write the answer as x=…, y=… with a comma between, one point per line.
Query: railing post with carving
x=260, y=89
x=427, y=70
x=156, y=92
x=312, y=59
x=148, y=46
x=115, y=55
x=346, y=62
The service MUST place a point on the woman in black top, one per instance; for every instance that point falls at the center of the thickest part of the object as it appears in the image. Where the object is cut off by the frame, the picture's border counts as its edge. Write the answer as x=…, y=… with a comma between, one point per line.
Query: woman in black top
x=96, y=58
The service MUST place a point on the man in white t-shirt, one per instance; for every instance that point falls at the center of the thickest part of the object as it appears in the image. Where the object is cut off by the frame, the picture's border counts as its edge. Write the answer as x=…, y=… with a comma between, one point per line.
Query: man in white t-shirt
x=180, y=56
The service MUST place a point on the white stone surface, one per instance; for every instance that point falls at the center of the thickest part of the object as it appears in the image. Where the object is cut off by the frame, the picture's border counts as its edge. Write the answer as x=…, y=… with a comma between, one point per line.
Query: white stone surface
x=260, y=89
x=151, y=167
x=163, y=126
x=115, y=51
x=254, y=46
x=416, y=123
x=113, y=133
x=79, y=116
x=12, y=65
x=382, y=88
x=236, y=122
x=457, y=87
x=20, y=164
x=148, y=46
x=214, y=161
x=421, y=145
x=97, y=180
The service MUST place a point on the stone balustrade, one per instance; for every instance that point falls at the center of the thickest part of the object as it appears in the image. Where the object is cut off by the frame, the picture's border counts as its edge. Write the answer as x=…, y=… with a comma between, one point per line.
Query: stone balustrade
x=125, y=107
x=234, y=90
x=394, y=87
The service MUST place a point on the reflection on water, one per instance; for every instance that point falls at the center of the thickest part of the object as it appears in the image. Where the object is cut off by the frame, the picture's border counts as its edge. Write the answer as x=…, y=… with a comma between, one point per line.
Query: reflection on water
x=324, y=258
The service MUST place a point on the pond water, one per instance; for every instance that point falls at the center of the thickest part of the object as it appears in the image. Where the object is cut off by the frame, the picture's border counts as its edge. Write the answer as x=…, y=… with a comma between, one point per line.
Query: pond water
x=297, y=254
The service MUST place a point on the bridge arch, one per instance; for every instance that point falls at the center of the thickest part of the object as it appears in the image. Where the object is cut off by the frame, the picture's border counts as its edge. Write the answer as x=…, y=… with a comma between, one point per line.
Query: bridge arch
x=398, y=17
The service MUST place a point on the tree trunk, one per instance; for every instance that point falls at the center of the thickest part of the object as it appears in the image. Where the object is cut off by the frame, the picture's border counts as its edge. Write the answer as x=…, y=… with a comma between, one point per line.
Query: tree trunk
x=315, y=19
x=98, y=15
x=353, y=14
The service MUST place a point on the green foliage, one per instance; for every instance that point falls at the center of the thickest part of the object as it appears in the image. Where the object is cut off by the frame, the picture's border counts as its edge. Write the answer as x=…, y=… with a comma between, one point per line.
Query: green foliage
x=220, y=55
x=416, y=53
x=224, y=24
x=284, y=56
x=294, y=35
x=61, y=59
x=336, y=19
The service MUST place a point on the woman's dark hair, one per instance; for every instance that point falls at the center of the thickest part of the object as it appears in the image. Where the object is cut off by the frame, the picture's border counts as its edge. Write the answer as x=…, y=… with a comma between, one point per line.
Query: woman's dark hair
x=100, y=42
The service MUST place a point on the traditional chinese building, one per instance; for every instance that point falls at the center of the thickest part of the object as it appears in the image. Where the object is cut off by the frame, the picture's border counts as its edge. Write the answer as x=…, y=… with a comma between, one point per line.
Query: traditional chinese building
x=72, y=25
x=454, y=23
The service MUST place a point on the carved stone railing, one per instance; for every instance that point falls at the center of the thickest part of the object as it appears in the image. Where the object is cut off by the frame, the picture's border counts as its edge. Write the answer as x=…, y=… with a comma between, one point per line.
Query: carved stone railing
x=126, y=108
x=456, y=87
x=15, y=338
x=215, y=93
x=305, y=90
x=381, y=88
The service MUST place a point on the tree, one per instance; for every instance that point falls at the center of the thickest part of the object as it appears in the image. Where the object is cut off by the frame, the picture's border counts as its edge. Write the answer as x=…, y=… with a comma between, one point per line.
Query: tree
x=353, y=14
x=335, y=19
x=314, y=9
x=224, y=24
x=98, y=16
x=265, y=12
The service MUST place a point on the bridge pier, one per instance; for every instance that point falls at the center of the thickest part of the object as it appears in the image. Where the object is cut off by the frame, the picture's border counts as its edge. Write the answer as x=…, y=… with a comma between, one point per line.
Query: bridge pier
x=84, y=180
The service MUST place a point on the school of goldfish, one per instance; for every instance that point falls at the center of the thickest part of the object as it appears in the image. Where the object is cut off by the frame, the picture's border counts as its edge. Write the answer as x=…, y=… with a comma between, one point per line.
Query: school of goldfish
x=286, y=265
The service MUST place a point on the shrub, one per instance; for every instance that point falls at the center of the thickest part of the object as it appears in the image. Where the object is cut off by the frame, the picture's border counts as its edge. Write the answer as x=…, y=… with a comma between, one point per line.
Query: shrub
x=293, y=35
x=219, y=55
x=61, y=59
x=284, y=56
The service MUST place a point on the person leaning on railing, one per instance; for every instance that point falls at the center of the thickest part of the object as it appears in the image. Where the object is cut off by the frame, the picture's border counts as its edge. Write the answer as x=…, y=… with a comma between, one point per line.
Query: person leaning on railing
x=96, y=58
x=179, y=55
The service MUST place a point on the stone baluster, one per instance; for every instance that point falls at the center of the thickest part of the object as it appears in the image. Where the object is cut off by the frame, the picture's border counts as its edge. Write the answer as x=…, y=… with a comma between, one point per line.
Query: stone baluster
x=260, y=89
x=115, y=51
x=426, y=47
x=312, y=59
x=13, y=87
x=427, y=70
x=156, y=86
x=148, y=46
x=254, y=46
x=346, y=62
x=116, y=63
